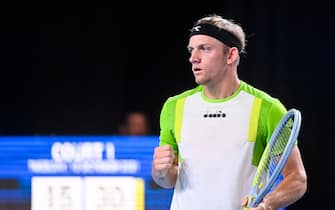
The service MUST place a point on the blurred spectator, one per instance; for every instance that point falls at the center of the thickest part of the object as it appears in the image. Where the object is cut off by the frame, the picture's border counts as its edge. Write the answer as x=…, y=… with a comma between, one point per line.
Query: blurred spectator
x=135, y=123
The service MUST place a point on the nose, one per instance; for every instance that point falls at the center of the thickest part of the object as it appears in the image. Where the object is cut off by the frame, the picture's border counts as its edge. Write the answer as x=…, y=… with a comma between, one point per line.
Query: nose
x=194, y=57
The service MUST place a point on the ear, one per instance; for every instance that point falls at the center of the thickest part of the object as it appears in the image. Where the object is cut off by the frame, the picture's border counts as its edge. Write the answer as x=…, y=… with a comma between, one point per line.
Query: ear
x=232, y=55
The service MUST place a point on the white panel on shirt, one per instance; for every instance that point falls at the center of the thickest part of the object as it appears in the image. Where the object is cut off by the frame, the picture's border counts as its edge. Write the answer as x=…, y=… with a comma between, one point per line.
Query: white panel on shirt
x=216, y=169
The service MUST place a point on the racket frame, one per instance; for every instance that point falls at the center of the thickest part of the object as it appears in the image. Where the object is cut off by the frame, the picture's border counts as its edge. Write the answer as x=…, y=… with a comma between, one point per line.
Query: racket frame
x=254, y=199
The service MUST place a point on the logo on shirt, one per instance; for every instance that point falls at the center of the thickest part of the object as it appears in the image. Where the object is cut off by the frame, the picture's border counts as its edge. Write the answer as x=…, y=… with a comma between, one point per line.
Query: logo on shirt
x=214, y=114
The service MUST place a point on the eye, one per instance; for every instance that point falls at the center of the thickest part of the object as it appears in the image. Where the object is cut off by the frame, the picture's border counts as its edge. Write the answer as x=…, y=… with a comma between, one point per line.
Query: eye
x=189, y=49
x=205, y=48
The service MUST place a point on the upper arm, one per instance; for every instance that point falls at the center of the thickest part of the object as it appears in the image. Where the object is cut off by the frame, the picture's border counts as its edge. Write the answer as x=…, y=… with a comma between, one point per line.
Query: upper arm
x=294, y=165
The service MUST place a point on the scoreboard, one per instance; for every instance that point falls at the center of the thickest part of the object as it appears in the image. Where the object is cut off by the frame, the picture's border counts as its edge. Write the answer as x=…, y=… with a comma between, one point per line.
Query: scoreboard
x=80, y=173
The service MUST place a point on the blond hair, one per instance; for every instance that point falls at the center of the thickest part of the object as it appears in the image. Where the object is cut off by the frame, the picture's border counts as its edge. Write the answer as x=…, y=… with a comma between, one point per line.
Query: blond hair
x=228, y=25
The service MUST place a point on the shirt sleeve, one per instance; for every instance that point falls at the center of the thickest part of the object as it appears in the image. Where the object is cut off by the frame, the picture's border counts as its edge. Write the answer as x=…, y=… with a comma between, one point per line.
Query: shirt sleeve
x=276, y=112
x=167, y=118
x=270, y=114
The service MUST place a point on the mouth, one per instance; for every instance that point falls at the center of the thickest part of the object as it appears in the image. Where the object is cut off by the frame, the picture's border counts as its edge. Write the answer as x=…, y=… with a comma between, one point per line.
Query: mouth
x=197, y=70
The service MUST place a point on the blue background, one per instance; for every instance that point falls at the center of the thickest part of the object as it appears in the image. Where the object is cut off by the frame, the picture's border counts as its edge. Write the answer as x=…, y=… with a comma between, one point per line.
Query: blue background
x=15, y=151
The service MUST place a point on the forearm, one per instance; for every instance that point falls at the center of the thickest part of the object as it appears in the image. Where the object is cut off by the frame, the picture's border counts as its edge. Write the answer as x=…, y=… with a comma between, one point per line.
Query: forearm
x=169, y=180
x=288, y=191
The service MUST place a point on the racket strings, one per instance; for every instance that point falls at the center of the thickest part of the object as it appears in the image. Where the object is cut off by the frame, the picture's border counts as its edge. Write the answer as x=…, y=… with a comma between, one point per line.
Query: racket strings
x=273, y=153
x=279, y=145
x=262, y=175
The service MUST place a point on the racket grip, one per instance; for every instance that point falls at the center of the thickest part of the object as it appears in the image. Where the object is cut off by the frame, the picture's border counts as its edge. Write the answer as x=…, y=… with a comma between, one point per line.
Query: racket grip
x=250, y=200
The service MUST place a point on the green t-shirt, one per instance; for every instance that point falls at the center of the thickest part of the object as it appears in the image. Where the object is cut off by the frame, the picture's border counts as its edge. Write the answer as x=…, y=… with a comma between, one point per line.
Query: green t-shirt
x=219, y=142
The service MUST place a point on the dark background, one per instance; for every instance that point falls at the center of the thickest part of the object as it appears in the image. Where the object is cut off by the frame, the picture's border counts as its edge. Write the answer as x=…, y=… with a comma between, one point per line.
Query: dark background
x=75, y=68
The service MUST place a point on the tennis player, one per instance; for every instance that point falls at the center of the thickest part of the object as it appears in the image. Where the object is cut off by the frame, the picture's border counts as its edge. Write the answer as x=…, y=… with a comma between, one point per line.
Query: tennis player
x=212, y=137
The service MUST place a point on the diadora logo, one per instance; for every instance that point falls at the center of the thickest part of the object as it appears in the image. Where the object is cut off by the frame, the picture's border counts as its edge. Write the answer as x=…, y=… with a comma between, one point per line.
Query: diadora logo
x=214, y=114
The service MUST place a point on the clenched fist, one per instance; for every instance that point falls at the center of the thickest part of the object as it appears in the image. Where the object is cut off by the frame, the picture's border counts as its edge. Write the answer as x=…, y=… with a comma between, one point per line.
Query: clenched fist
x=163, y=160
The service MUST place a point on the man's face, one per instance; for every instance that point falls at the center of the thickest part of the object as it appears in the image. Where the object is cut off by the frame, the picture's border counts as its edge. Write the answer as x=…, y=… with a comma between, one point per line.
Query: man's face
x=208, y=59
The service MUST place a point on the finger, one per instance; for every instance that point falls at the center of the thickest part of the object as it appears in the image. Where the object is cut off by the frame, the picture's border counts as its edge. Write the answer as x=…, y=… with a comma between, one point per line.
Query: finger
x=162, y=165
x=244, y=201
x=163, y=168
x=164, y=148
x=163, y=153
x=262, y=205
x=163, y=160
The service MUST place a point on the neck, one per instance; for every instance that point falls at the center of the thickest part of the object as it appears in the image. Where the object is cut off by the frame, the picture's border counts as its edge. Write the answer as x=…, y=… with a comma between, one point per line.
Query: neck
x=222, y=90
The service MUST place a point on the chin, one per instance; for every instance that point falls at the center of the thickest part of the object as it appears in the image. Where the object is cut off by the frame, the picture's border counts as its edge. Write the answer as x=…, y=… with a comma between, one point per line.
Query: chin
x=200, y=82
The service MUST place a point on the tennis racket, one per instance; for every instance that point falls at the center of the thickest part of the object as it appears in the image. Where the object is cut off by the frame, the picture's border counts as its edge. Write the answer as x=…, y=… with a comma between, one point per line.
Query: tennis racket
x=275, y=156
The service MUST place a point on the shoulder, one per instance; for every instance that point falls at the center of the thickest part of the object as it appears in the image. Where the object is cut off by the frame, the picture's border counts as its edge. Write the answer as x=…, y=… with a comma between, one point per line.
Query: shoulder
x=168, y=111
x=264, y=96
x=170, y=103
x=266, y=99
x=184, y=94
x=269, y=105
